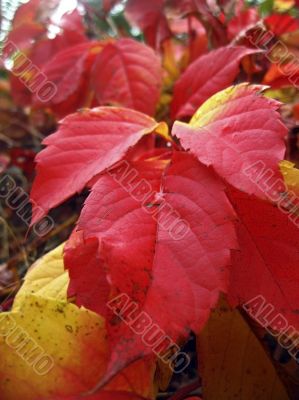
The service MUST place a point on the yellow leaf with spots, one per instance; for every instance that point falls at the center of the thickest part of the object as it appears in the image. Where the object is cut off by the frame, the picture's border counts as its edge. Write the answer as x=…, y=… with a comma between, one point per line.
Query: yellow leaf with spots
x=50, y=347
x=46, y=278
x=290, y=175
x=233, y=363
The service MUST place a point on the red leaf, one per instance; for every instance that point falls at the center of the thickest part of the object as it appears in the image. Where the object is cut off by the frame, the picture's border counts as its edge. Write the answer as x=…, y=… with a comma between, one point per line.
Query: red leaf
x=213, y=19
x=32, y=19
x=69, y=72
x=267, y=262
x=128, y=73
x=23, y=35
x=143, y=253
x=198, y=82
x=282, y=75
x=149, y=16
x=233, y=130
x=31, y=37
x=65, y=70
x=83, y=255
x=242, y=22
x=46, y=49
x=85, y=144
x=281, y=23
x=26, y=12
x=73, y=22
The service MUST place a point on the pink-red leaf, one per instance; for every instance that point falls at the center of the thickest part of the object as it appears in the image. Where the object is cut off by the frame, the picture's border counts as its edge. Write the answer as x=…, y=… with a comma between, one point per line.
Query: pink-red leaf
x=85, y=144
x=235, y=129
x=206, y=76
x=128, y=73
x=31, y=37
x=65, y=71
x=69, y=73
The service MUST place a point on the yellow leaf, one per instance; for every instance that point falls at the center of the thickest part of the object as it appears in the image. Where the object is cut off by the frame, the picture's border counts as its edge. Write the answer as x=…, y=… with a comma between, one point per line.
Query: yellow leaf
x=46, y=278
x=233, y=363
x=214, y=105
x=50, y=347
x=284, y=95
x=283, y=5
x=290, y=175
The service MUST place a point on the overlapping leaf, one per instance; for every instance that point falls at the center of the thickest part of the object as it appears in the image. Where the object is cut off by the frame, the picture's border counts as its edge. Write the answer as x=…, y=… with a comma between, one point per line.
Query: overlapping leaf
x=235, y=130
x=241, y=22
x=125, y=234
x=198, y=82
x=150, y=18
x=267, y=263
x=30, y=37
x=86, y=291
x=69, y=71
x=282, y=75
x=176, y=224
x=50, y=347
x=169, y=229
x=281, y=23
x=66, y=69
x=231, y=355
x=85, y=144
x=129, y=74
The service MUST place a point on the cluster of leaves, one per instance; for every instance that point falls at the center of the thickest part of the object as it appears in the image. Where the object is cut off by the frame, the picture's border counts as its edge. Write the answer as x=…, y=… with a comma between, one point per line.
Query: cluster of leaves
x=135, y=101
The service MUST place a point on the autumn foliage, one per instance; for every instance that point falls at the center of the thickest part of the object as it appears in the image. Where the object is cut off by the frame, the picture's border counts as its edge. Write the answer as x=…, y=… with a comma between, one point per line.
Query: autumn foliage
x=190, y=221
